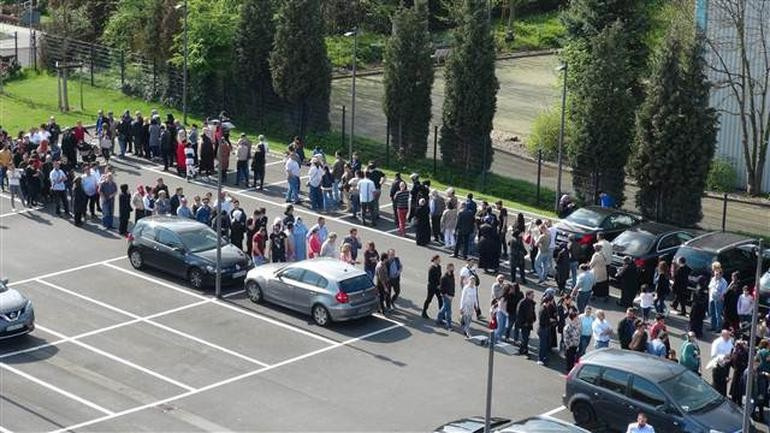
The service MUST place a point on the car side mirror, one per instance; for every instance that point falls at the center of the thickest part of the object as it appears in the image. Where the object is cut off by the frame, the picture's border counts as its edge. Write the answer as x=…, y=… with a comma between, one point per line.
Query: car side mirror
x=179, y=249
x=4, y=281
x=667, y=409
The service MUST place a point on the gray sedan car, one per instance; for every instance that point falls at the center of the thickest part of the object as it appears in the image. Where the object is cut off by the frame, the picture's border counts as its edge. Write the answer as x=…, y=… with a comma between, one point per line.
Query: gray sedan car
x=17, y=317
x=327, y=289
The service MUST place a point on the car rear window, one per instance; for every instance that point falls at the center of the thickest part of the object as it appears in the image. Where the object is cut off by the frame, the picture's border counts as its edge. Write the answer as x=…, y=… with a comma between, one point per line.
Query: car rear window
x=614, y=380
x=698, y=260
x=585, y=217
x=633, y=243
x=356, y=284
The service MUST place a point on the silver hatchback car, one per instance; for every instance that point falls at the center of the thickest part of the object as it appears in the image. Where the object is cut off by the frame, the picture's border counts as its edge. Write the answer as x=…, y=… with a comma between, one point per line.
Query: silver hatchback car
x=327, y=289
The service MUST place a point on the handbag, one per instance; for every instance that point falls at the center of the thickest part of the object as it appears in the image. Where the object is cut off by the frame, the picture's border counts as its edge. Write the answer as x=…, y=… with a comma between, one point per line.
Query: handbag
x=528, y=239
x=493, y=322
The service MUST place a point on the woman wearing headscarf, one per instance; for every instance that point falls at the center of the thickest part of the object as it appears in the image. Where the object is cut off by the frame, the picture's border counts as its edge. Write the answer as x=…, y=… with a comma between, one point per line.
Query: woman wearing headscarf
x=224, y=157
x=300, y=234
x=314, y=244
x=489, y=245
x=628, y=279
x=181, y=159
x=206, y=153
x=422, y=217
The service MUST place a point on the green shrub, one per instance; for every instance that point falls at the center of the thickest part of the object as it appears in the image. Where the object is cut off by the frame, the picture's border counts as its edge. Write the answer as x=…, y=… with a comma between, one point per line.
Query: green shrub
x=370, y=49
x=545, y=134
x=722, y=176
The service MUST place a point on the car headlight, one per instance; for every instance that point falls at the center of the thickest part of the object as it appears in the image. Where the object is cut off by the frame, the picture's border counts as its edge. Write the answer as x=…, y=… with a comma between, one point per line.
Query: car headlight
x=210, y=268
x=27, y=307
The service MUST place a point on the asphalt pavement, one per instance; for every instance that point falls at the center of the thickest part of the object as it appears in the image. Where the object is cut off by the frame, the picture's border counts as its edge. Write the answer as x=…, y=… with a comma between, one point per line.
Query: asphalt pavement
x=122, y=350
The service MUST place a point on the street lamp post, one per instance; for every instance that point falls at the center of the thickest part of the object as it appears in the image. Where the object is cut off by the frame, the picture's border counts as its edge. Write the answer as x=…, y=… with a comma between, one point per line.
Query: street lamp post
x=353, y=33
x=759, y=284
x=184, y=68
x=563, y=69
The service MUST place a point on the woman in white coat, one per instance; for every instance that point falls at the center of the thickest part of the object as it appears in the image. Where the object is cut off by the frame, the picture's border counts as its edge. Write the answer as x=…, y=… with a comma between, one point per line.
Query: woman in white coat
x=468, y=302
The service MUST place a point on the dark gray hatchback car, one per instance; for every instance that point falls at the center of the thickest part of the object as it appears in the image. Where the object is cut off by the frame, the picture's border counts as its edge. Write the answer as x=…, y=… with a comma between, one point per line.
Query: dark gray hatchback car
x=611, y=386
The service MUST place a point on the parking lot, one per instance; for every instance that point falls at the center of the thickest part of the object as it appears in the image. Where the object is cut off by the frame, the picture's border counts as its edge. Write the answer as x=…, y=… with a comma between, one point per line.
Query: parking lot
x=117, y=349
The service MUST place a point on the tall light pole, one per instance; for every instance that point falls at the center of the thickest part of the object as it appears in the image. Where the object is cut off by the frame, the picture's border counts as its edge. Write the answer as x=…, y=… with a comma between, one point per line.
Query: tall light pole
x=759, y=284
x=563, y=69
x=184, y=68
x=353, y=33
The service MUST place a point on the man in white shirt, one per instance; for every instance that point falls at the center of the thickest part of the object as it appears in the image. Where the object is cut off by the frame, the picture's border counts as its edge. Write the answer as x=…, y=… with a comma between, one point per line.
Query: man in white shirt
x=315, y=174
x=292, y=176
x=602, y=330
x=366, y=189
x=721, y=349
x=640, y=426
x=59, y=188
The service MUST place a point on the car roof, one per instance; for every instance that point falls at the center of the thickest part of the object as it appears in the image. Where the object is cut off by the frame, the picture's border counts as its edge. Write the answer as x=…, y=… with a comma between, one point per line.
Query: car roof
x=330, y=268
x=718, y=241
x=654, y=228
x=642, y=364
x=602, y=210
x=470, y=424
x=541, y=424
x=171, y=222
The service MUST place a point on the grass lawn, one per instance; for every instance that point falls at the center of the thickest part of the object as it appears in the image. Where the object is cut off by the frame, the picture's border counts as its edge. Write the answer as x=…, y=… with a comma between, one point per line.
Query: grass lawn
x=31, y=100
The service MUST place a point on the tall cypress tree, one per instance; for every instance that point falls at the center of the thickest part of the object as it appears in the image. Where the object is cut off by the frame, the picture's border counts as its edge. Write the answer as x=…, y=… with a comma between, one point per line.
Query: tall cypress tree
x=471, y=91
x=601, y=101
x=675, y=135
x=300, y=68
x=408, y=81
x=254, y=41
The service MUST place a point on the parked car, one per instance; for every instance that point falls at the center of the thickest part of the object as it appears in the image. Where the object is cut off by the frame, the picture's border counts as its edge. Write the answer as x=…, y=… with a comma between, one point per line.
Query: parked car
x=586, y=222
x=647, y=244
x=327, y=289
x=535, y=424
x=609, y=387
x=185, y=248
x=17, y=317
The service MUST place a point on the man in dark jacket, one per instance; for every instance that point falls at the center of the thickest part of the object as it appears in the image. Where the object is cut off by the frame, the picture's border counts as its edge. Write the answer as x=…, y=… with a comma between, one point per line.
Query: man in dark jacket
x=175, y=199
x=626, y=328
x=465, y=224
x=434, y=282
x=447, y=289
x=525, y=319
x=681, y=280
x=166, y=147
x=138, y=135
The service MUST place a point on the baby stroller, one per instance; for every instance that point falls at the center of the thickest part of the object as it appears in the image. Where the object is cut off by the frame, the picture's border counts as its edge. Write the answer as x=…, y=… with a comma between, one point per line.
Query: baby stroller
x=87, y=152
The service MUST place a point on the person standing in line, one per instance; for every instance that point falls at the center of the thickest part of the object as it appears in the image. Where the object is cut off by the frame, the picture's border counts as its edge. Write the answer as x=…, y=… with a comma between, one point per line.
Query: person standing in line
x=79, y=201
x=502, y=227
x=640, y=426
x=586, y=330
x=512, y=301
x=277, y=245
x=124, y=208
x=259, y=161
x=517, y=252
x=314, y=243
x=354, y=242
x=542, y=261
x=602, y=330
x=401, y=203
x=59, y=188
x=422, y=223
x=717, y=288
x=465, y=226
x=606, y=249
x=598, y=265
x=468, y=302
x=243, y=155
x=469, y=272
x=434, y=282
x=662, y=287
x=730, y=318
x=575, y=253
x=258, y=242
x=14, y=184
x=699, y=306
x=383, y=283
x=721, y=349
x=436, y=206
x=448, y=223
x=237, y=225
x=330, y=248
x=628, y=279
x=184, y=210
x=525, y=319
x=107, y=192
x=745, y=305
x=583, y=287
x=394, y=276
x=571, y=338
x=545, y=320
x=292, y=170
x=500, y=304
x=447, y=289
x=366, y=198
x=681, y=281
x=370, y=259
x=337, y=170
x=315, y=176
x=137, y=202
x=626, y=328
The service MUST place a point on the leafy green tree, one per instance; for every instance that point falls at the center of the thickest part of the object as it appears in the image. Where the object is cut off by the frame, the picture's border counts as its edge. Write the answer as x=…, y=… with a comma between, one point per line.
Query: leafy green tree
x=145, y=27
x=408, y=81
x=253, y=43
x=470, y=92
x=600, y=103
x=300, y=68
x=675, y=135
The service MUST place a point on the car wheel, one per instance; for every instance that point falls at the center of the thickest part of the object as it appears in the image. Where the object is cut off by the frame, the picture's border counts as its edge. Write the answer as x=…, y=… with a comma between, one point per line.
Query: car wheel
x=320, y=315
x=136, y=259
x=254, y=291
x=583, y=414
x=196, y=278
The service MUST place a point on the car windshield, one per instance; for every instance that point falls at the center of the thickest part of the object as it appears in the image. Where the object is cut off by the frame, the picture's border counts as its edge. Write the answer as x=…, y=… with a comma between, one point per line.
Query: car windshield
x=200, y=240
x=585, y=217
x=690, y=392
x=540, y=426
x=356, y=284
x=633, y=243
x=698, y=260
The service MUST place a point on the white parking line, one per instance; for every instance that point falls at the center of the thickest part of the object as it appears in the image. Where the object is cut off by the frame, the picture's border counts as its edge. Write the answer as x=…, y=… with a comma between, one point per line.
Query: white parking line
x=4, y=430
x=274, y=163
x=56, y=389
x=226, y=305
x=158, y=325
x=553, y=411
x=66, y=271
x=119, y=359
x=18, y=212
x=100, y=330
x=228, y=381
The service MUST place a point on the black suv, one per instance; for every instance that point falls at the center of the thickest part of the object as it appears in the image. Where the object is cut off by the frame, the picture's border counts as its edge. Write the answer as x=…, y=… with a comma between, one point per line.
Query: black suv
x=735, y=252
x=611, y=386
